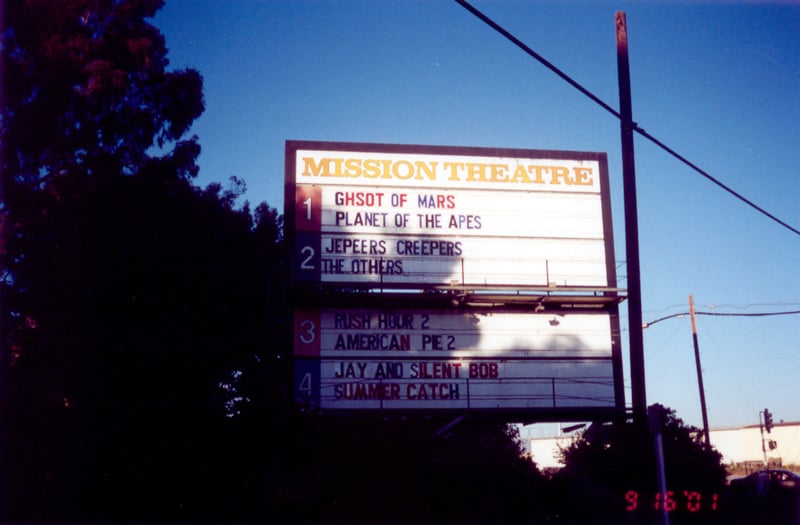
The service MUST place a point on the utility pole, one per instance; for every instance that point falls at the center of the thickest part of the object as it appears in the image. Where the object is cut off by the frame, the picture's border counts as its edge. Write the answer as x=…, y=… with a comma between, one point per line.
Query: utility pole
x=699, y=373
x=655, y=417
x=638, y=389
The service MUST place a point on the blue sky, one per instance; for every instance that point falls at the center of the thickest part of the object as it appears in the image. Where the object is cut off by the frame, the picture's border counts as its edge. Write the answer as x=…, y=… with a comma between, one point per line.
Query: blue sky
x=717, y=81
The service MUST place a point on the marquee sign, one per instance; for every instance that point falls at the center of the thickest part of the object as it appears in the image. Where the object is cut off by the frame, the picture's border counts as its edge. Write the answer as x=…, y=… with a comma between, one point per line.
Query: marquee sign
x=355, y=359
x=452, y=279
x=372, y=215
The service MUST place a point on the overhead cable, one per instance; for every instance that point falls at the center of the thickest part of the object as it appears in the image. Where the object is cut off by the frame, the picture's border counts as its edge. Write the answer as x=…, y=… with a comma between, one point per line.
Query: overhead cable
x=720, y=314
x=708, y=176
x=517, y=42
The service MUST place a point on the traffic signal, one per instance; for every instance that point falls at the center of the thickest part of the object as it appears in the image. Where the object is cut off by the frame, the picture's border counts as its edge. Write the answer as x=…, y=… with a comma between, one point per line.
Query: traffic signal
x=767, y=420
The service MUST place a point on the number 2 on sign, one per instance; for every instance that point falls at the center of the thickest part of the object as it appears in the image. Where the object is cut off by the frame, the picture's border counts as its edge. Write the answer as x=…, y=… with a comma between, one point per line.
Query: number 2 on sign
x=308, y=251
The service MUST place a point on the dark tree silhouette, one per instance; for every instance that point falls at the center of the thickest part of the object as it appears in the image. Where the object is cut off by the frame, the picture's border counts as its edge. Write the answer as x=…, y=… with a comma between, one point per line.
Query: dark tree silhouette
x=606, y=461
x=406, y=470
x=135, y=305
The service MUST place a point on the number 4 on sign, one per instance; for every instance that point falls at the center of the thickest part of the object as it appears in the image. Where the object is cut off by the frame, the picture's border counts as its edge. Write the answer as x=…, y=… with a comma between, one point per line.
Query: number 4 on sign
x=306, y=382
x=305, y=385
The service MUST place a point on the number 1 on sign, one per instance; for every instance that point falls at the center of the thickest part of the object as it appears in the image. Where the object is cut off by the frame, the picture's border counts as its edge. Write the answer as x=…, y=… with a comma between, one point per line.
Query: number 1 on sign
x=307, y=208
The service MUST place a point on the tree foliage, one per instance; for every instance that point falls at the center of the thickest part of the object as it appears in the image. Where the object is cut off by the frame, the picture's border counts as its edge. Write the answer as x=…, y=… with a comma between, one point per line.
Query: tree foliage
x=135, y=305
x=606, y=461
x=87, y=93
x=407, y=470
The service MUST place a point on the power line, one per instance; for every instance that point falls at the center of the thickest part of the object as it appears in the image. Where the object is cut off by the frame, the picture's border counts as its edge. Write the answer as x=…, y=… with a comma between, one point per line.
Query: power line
x=651, y=323
x=721, y=314
x=705, y=174
x=754, y=314
x=517, y=42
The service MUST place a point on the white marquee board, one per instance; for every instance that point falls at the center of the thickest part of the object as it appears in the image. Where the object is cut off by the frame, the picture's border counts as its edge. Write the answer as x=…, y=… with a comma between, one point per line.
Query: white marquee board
x=391, y=218
x=355, y=359
x=438, y=216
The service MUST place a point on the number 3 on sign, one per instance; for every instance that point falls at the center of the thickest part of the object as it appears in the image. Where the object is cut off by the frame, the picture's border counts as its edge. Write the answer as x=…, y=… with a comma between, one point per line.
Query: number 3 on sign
x=306, y=333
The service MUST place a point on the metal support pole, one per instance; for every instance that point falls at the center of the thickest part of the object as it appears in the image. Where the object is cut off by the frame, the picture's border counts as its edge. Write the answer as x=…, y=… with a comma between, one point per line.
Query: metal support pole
x=655, y=416
x=638, y=389
x=699, y=374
